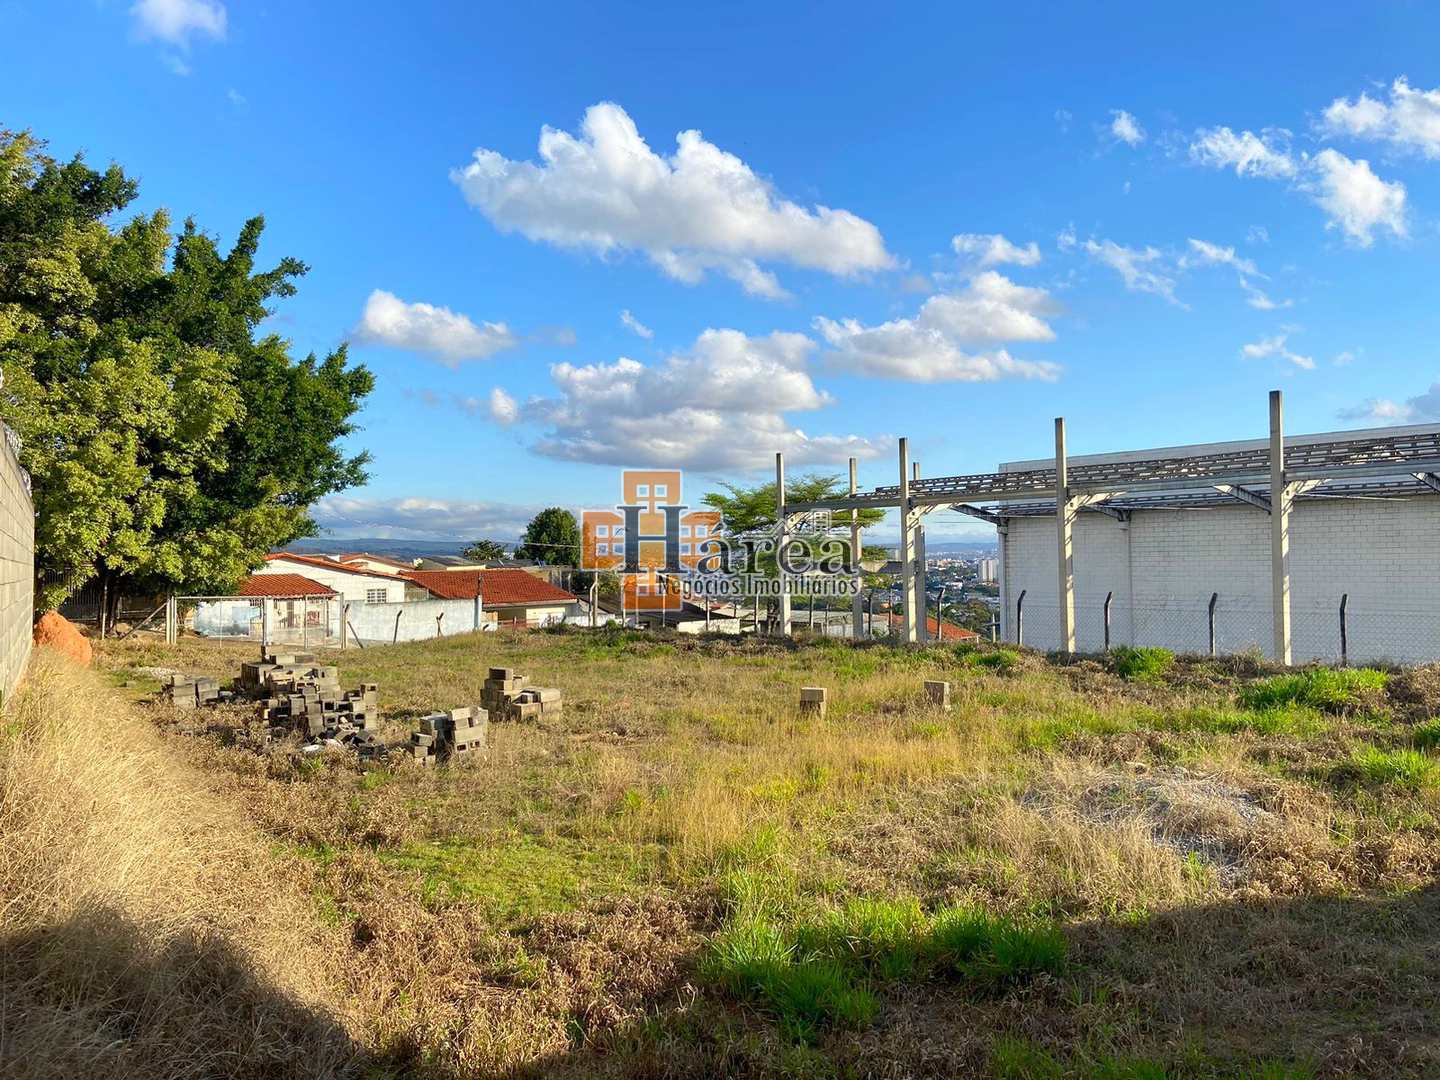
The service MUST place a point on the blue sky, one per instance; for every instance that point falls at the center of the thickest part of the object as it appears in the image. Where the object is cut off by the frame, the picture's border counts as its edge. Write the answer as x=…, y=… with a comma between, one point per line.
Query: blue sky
x=952, y=226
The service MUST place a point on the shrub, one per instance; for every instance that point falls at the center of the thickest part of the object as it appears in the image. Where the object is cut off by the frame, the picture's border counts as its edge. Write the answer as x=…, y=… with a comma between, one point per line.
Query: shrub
x=1143, y=664
x=1328, y=689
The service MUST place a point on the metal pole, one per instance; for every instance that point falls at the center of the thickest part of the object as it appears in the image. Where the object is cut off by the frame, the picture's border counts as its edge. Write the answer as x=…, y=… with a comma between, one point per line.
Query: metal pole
x=344, y=624
x=1214, y=599
x=1108, y=597
x=264, y=627
x=1279, y=532
x=1344, y=630
x=1065, y=542
x=396, y=635
x=1020, y=618
x=782, y=614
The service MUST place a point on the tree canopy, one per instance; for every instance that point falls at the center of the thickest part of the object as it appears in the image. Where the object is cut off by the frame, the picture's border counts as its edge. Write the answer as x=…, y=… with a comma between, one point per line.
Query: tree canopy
x=742, y=509
x=171, y=444
x=553, y=537
x=485, y=550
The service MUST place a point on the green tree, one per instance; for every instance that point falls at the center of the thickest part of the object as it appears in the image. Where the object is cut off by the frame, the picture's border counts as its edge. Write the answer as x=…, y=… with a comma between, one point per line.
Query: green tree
x=745, y=509
x=169, y=447
x=553, y=537
x=485, y=551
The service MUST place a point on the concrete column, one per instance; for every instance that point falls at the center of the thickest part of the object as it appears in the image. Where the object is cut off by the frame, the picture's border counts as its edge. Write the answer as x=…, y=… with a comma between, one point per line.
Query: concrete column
x=781, y=535
x=857, y=610
x=1279, y=532
x=907, y=545
x=1064, y=542
x=922, y=602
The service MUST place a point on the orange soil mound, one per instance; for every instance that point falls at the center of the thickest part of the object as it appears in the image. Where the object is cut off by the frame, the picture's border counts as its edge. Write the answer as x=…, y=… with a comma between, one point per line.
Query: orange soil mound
x=59, y=633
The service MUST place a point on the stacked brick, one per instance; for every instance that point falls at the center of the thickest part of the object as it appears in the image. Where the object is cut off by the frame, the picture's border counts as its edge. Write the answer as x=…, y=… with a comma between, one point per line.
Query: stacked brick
x=508, y=696
x=298, y=695
x=189, y=691
x=460, y=733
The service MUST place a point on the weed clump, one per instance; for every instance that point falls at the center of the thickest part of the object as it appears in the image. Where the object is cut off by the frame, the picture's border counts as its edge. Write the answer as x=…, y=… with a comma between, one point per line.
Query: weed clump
x=1327, y=689
x=1002, y=661
x=822, y=972
x=1145, y=663
x=1407, y=770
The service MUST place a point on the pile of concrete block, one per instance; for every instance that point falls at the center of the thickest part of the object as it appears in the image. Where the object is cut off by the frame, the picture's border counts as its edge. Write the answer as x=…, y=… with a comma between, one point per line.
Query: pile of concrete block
x=508, y=696
x=347, y=717
x=287, y=673
x=190, y=691
x=442, y=736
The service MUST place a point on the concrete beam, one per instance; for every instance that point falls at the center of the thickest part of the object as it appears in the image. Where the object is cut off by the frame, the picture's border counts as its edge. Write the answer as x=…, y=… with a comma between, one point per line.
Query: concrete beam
x=979, y=512
x=1245, y=495
x=1429, y=479
x=857, y=609
x=1064, y=541
x=922, y=599
x=907, y=545
x=1279, y=532
x=782, y=534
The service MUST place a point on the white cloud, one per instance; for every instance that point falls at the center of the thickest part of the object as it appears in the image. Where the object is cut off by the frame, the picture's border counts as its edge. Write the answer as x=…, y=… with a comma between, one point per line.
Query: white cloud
x=421, y=518
x=992, y=249
x=1146, y=269
x=631, y=323
x=176, y=21
x=446, y=335
x=720, y=405
x=1257, y=234
x=503, y=408
x=1264, y=155
x=1066, y=239
x=1063, y=118
x=1204, y=253
x=236, y=98
x=1344, y=358
x=697, y=210
x=1260, y=300
x=1276, y=347
x=1409, y=121
x=931, y=346
x=1357, y=201
x=1422, y=408
x=1125, y=128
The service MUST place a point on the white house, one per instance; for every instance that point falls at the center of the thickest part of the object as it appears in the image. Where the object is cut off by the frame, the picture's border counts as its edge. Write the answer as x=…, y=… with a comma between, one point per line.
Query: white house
x=356, y=584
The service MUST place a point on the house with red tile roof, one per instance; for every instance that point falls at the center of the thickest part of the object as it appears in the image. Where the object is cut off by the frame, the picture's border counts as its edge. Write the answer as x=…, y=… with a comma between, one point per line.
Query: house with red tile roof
x=355, y=584
x=513, y=596
x=283, y=585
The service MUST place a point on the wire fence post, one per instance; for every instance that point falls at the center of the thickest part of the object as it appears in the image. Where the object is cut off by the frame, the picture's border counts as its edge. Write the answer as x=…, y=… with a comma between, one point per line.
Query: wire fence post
x=1020, y=618
x=1344, y=630
x=1210, y=618
x=1108, y=597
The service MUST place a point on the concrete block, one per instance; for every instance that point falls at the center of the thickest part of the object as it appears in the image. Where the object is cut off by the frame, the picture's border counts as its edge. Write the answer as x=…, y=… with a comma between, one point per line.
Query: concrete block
x=501, y=674
x=938, y=692
x=814, y=700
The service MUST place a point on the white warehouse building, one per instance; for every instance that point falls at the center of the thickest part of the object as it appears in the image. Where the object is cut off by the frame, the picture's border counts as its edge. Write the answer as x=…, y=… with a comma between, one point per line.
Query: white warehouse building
x=1192, y=568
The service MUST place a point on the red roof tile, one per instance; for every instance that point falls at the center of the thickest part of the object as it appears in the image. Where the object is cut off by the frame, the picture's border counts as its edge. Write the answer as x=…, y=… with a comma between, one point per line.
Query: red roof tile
x=327, y=564
x=498, y=588
x=932, y=625
x=283, y=585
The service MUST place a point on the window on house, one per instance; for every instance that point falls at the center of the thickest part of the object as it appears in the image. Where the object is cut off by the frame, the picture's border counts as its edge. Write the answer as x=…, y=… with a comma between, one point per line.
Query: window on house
x=375, y=596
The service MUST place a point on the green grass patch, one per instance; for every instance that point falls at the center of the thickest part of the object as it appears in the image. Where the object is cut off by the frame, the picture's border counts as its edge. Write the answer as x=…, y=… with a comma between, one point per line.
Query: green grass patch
x=1289, y=720
x=813, y=974
x=518, y=878
x=1426, y=736
x=1327, y=689
x=1021, y=1059
x=1001, y=660
x=1408, y=770
x=1141, y=664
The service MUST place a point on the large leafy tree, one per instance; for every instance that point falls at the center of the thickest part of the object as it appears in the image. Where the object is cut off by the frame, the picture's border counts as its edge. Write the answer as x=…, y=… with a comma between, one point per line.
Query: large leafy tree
x=169, y=446
x=744, y=509
x=553, y=537
x=485, y=551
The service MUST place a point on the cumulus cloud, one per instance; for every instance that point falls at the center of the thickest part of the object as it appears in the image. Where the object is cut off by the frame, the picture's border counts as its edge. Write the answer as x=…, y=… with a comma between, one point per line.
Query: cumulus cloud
x=1276, y=347
x=1357, y=201
x=1146, y=269
x=177, y=21
x=503, y=408
x=1125, y=128
x=448, y=336
x=420, y=518
x=932, y=347
x=635, y=326
x=1266, y=155
x=1419, y=409
x=992, y=249
x=719, y=405
x=701, y=209
x=1409, y=120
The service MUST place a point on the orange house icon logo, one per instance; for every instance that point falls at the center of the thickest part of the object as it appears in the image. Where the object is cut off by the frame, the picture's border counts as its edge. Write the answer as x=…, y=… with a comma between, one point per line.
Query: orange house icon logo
x=650, y=538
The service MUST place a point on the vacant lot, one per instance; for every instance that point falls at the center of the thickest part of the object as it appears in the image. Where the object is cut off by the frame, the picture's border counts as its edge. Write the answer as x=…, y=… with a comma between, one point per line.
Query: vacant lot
x=1129, y=868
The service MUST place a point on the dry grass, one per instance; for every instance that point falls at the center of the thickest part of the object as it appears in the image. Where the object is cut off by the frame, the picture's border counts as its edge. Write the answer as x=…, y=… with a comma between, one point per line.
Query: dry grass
x=144, y=931
x=1231, y=880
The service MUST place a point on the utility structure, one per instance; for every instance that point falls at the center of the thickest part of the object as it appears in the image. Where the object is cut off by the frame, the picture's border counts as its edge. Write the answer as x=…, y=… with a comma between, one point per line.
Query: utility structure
x=1265, y=476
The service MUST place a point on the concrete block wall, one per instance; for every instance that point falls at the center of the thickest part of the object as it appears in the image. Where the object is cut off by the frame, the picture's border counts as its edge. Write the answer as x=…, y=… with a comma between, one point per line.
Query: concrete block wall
x=376, y=622
x=1163, y=568
x=17, y=569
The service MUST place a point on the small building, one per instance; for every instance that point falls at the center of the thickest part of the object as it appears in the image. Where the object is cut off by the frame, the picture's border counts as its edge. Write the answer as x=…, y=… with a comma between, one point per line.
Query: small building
x=380, y=563
x=512, y=596
x=354, y=583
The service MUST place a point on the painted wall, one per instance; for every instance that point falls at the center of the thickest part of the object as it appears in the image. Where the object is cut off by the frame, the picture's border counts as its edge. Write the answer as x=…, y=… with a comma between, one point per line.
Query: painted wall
x=351, y=586
x=17, y=569
x=1164, y=566
x=418, y=620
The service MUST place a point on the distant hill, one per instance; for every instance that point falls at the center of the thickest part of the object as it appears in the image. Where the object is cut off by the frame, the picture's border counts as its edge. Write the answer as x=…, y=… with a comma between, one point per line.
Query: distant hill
x=394, y=549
